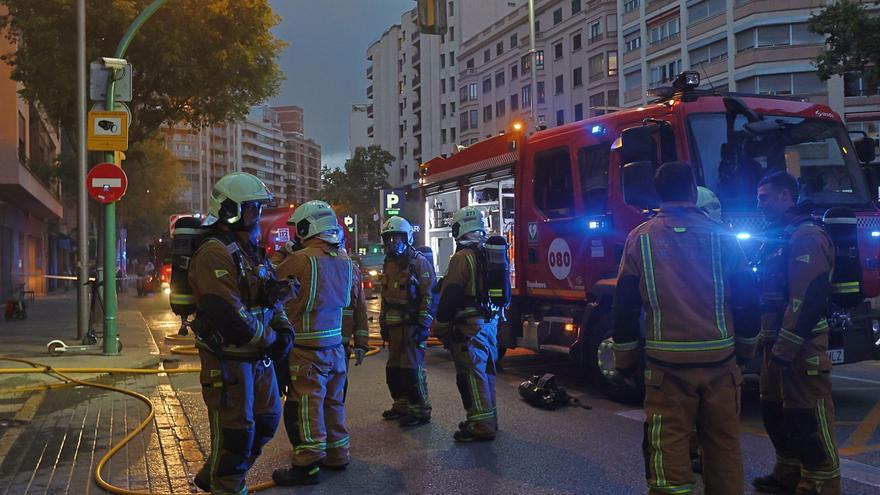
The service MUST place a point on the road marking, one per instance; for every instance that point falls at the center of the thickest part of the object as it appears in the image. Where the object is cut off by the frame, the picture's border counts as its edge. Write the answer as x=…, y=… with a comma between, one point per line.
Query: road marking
x=863, y=473
x=865, y=429
x=852, y=378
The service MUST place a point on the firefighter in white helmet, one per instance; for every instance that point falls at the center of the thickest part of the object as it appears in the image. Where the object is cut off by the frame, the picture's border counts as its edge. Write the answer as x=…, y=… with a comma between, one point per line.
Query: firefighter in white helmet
x=314, y=413
x=405, y=321
x=240, y=328
x=468, y=331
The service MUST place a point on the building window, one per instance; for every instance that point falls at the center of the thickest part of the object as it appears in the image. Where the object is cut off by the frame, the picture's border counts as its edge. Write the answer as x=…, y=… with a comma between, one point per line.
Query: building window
x=452, y=134
x=611, y=23
x=539, y=59
x=443, y=110
x=630, y=5
x=553, y=188
x=705, y=9
x=612, y=62
x=777, y=35
x=803, y=83
x=487, y=85
x=499, y=79
x=575, y=6
x=632, y=81
x=443, y=136
x=451, y=9
x=451, y=33
x=499, y=48
x=452, y=59
x=514, y=42
x=463, y=121
x=473, y=118
x=514, y=102
x=557, y=51
x=541, y=92
x=632, y=42
x=595, y=32
x=514, y=72
x=557, y=17
x=452, y=83
x=462, y=94
x=526, y=61
x=576, y=42
x=499, y=108
x=452, y=108
x=711, y=53
x=597, y=104
x=577, y=77
x=442, y=86
x=665, y=72
x=596, y=67
x=472, y=91
x=579, y=112
x=560, y=117
x=664, y=31
x=487, y=113
x=558, y=83
x=613, y=100
x=442, y=60
x=487, y=55
x=526, y=95
x=470, y=64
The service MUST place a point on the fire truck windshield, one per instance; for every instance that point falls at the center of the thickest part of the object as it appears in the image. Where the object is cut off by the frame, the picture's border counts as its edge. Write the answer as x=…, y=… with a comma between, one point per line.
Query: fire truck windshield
x=733, y=158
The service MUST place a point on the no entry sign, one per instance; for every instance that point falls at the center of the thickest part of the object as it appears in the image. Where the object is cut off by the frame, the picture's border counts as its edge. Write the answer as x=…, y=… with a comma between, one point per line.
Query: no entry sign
x=106, y=183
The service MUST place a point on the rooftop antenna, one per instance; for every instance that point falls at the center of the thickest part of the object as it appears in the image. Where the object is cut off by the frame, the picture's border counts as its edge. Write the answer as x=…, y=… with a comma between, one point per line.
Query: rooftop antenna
x=709, y=81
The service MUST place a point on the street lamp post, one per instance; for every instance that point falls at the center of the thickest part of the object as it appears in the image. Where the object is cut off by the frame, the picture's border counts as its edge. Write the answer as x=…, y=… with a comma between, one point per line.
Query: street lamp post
x=533, y=57
x=111, y=346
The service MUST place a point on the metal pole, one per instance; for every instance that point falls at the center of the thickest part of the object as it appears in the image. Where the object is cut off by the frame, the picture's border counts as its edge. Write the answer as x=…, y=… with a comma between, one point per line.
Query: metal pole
x=534, y=65
x=82, y=206
x=110, y=302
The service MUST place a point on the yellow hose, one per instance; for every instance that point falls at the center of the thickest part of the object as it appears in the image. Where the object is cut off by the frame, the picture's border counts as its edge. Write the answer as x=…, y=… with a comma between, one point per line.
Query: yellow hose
x=180, y=338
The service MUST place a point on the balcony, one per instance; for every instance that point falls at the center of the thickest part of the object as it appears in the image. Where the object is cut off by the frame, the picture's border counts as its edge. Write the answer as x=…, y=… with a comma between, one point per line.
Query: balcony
x=369, y=111
x=416, y=105
x=595, y=39
x=370, y=131
x=370, y=72
x=417, y=129
x=20, y=187
x=417, y=58
x=370, y=91
x=416, y=82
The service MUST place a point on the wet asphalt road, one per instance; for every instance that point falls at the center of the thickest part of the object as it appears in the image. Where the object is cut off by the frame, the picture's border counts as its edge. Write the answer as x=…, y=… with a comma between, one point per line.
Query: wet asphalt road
x=572, y=450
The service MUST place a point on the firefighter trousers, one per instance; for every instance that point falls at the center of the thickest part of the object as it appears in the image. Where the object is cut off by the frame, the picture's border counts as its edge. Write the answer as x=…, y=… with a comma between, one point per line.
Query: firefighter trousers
x=243, y=413
x=475, y=352
x=679, y=400
x=405, y=372
x=314, y=412
x=798, y=414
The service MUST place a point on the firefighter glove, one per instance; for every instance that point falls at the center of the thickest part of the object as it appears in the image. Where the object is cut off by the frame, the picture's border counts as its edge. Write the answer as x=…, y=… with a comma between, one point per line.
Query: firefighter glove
x=282, y=346
x=359, y=354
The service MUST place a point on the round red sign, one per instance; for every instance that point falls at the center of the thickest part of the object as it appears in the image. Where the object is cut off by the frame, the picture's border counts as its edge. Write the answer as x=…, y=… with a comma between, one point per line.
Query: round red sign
x=106, y=183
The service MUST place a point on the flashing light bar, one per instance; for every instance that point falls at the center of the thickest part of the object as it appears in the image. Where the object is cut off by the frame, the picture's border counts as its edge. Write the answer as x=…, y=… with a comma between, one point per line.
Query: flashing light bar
x=875, y=233
x=597, y=130
x=743, y=236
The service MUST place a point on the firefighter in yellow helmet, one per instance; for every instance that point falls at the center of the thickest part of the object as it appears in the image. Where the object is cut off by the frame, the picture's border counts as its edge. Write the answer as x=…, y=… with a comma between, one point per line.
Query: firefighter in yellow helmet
x=314, y=413
x=405, y=321
x=468, y=330
x=354, y=317
x=240, y=327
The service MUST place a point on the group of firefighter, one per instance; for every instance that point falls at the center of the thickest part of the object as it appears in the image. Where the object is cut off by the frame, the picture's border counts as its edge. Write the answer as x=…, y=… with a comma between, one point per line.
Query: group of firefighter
x=250, y=309
x=683, y=270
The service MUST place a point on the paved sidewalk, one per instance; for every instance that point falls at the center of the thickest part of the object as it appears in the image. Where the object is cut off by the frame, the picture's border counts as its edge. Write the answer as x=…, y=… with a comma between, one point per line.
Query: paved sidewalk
x=54, y=317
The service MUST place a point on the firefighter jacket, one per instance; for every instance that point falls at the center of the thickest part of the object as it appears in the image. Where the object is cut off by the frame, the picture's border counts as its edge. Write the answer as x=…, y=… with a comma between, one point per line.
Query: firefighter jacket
x=699, y=295
x=354, y=317
x=406, y=290
x=458, y=299
x=325, y=272
x=794, y=271
x=231, y=299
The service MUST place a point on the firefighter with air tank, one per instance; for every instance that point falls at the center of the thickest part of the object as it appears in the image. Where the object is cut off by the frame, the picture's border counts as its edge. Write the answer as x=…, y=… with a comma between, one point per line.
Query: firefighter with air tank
x=475, y=291
x=240, y=325
x=798, y=281
x=405, y=322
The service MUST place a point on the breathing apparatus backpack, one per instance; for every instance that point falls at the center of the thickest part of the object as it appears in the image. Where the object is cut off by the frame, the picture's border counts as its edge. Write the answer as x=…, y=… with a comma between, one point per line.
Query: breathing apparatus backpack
x=428, y=253
x=494, y=275
x=187, y=235
x=542, y=391
x=841, y=225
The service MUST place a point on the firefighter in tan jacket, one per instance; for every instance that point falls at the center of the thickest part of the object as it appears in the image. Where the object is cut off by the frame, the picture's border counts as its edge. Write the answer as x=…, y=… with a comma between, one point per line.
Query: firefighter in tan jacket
x=354, y=318
x=405, y=321
x=469, y=332
x=691, y=278
x=794, y=271
x=240, y=328
x=314, y=413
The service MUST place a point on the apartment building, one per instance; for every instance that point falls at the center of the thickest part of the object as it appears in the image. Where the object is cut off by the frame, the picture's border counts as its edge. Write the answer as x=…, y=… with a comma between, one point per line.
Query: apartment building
x=32, y=239
x=754, y=46
x=268, y=143
x=413, y=88
x=576, y=64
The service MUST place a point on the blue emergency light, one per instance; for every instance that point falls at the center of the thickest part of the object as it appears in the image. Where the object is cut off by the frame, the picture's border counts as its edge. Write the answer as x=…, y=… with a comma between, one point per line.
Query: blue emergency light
x=743, y=236
x=597, y=130
x=875, y=233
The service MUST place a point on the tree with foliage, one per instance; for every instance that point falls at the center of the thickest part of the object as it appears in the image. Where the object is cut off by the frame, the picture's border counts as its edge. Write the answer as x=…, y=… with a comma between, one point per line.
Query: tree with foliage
x=852, y=41
x=355, y=188
x=155, y=183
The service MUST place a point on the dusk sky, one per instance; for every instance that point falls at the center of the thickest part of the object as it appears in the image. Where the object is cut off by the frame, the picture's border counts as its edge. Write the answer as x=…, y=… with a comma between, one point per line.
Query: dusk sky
x=325, y=62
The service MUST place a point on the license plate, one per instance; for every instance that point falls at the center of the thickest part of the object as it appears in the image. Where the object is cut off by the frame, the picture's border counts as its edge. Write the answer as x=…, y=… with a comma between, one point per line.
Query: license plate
x=836, y=356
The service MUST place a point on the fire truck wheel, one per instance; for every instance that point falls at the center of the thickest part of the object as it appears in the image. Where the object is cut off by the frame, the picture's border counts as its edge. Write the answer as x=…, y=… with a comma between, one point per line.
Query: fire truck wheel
x=597, y=359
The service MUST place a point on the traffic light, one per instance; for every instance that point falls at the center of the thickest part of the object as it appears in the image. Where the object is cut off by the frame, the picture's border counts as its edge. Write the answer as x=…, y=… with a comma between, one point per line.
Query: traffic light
x=432, y=16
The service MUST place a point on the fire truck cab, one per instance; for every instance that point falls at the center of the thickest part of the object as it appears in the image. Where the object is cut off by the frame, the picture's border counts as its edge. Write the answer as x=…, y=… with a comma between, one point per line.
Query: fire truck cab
x=567, y=197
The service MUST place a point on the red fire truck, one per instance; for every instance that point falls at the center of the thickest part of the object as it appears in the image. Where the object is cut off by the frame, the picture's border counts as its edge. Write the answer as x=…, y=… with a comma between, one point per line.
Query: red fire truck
x=567, y=197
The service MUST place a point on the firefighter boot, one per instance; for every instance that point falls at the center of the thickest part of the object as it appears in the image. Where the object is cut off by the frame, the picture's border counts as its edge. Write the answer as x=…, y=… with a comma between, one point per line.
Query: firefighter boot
x=414, y=385
x=202, y=479
x=297, y=475
x=398, y=407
